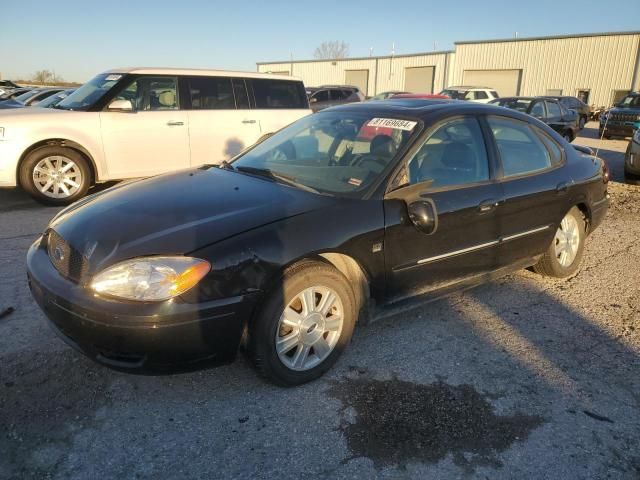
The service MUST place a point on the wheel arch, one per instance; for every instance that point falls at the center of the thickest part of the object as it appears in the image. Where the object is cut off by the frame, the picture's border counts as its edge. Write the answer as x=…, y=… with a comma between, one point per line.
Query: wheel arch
x=60, y=142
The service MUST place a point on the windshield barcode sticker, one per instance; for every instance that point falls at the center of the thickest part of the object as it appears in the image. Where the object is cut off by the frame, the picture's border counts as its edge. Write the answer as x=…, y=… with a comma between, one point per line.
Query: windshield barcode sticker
x=392, y=123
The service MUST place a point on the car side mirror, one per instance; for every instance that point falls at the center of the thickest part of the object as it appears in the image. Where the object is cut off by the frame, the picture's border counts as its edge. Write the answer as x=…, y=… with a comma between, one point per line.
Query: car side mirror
x=424, y=216
x=120, y=105
x=313, y=100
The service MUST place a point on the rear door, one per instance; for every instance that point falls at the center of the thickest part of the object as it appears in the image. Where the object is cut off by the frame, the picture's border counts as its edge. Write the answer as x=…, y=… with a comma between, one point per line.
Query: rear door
x=535, y=184
x=554, y=117
x=221, y=124
x=451, y=172
x=153, y=137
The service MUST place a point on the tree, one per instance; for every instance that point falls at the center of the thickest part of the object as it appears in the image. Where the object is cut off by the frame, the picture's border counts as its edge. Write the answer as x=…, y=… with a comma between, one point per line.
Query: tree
x=332, y=50
x=42, y=76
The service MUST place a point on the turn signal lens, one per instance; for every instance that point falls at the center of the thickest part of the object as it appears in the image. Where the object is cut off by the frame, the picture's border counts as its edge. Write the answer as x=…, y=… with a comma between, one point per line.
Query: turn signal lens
x=150, y=279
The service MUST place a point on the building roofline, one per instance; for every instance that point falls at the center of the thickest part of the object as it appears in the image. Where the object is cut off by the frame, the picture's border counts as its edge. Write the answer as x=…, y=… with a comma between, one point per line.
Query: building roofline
x=549, y=37
x=349, y=59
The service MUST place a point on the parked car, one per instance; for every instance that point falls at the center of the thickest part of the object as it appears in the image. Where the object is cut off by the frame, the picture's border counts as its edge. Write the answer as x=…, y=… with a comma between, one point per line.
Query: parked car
x=422, y=96
x=132, y=122
x=331, y=95
x=548, y=110
x=14, y=93
x=623, y=119
x=573, y=103
x=7, y=86
x=632, y=157
x=54, y=100
x=385, y=95
x=29, y=98
x=286, y=246
x=472, y=94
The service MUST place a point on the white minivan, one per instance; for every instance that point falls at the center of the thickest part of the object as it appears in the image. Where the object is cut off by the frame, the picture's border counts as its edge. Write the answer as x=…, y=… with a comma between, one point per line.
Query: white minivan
x=137, y=122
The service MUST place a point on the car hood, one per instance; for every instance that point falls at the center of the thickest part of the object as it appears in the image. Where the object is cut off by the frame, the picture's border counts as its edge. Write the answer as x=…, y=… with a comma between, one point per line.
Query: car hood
x=176, y=214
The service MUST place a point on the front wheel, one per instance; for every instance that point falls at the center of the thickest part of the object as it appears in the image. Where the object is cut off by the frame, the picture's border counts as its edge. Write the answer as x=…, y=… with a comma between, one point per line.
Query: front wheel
x=304, y=325
x=562, y=258
x=55, y=175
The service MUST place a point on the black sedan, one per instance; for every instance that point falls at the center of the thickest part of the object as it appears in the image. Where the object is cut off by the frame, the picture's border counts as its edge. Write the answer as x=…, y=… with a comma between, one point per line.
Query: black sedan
x=352, y=213
x=550, y=111
x=573, y=103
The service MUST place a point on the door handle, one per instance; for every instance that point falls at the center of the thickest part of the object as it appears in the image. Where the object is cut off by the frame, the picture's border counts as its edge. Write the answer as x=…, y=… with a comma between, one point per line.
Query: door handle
x=488, y=205
x=175, y=124
x=248, y=121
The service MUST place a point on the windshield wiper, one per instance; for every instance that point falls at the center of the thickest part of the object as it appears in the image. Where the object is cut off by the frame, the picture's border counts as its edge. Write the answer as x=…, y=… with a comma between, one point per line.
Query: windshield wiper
x=226, y=165
x=275, y=177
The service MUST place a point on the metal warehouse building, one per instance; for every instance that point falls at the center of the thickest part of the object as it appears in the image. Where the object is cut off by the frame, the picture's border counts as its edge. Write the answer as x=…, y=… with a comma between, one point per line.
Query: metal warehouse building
x=598, y=67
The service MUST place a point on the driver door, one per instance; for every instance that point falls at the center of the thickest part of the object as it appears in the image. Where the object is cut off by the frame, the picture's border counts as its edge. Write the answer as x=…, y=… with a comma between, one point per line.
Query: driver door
x=153, y=136
x=450, y=176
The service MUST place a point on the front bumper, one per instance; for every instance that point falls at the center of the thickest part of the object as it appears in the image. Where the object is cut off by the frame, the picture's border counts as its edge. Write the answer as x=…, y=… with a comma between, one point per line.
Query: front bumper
x=632, y=159
x=618, y=129
x=145, y=338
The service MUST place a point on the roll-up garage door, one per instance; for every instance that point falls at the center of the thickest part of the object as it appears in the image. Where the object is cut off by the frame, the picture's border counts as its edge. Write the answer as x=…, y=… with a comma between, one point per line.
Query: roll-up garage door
x=505, y=82
x=358, y=78
x=419, y=79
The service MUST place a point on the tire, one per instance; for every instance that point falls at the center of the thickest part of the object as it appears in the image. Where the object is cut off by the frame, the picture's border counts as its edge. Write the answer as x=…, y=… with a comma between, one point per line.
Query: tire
x=291, y=367
x=38, y=167
x=582, y=122
x=551, y=264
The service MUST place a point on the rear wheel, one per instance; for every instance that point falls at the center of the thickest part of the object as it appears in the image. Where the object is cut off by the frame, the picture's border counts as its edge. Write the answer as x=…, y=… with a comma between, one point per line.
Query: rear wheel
x=55, y=175
x=304, y=325
x=562, y=258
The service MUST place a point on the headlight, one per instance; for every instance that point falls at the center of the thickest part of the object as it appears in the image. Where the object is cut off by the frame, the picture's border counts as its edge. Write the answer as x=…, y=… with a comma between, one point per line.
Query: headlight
x=150, y=279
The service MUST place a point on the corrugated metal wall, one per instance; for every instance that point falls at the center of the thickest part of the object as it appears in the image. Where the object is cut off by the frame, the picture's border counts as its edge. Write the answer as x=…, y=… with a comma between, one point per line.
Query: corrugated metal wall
x=385, y=73
x=600, y=64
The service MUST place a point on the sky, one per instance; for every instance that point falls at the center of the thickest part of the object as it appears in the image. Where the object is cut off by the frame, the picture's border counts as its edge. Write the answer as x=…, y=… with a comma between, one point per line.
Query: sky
x=78, y=39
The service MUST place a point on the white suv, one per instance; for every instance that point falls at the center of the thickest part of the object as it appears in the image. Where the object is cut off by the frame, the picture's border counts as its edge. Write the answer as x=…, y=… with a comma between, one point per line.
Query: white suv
x=473, y=94
x=138, y=122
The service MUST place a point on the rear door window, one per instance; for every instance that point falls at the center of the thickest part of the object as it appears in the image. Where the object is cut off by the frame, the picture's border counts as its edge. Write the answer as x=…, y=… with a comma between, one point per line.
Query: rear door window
x=553, y=111
x=270, y=93
x=337, y=95
x=480, y=95
x=211, y=93
x=537, y=110
x=521, y=151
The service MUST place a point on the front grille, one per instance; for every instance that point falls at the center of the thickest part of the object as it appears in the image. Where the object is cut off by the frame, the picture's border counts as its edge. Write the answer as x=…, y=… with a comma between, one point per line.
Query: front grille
x=625, y=117
x=67, y=260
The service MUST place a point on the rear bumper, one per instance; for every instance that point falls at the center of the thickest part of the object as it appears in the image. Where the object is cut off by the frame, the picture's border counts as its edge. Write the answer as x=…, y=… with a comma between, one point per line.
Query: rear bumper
x=151, y=338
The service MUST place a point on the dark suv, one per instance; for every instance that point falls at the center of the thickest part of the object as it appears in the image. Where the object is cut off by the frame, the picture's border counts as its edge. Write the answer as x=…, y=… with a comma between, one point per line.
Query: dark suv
x=623, y=119
x=327, y=96
x=574, y=103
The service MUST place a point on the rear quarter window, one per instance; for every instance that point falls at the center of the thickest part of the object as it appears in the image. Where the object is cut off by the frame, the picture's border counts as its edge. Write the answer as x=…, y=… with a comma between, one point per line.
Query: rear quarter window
x=279, y=94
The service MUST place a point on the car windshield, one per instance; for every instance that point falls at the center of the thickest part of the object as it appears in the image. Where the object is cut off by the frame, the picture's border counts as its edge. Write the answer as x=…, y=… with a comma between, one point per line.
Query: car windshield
x=89, y=93
x=26, y=96
x=337, y=153
x=520, y=104
x=630, y=101
x=53, y=100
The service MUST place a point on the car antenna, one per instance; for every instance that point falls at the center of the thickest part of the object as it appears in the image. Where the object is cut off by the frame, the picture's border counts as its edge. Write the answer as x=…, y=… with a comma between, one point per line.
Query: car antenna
x=604, y=129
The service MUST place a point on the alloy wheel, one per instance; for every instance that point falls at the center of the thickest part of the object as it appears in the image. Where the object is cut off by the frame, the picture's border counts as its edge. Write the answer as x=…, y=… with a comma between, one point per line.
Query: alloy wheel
x=57, y=176
x=309, y=328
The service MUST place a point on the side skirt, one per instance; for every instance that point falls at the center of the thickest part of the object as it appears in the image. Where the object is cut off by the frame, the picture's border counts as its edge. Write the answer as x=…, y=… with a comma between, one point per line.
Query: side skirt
x=378, y=312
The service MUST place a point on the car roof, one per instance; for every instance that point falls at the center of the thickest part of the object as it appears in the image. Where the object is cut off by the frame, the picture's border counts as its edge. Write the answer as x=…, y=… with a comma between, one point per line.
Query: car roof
x=421, y=108
x=465, y=87
x=198, y=72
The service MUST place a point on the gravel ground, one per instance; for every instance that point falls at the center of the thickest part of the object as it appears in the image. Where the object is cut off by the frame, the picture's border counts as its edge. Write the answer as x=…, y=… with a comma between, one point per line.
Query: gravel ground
x=524, y=377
